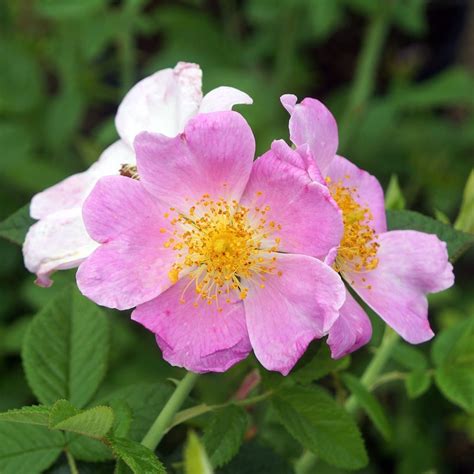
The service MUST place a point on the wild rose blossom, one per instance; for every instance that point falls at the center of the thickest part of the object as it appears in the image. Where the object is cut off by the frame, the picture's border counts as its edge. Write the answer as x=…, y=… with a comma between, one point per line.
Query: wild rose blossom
x=219, y=254
x=391, y=271
x=162, y=102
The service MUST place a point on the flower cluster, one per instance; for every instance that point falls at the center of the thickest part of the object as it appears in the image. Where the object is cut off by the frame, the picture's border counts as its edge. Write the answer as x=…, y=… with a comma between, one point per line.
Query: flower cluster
x=221, y=255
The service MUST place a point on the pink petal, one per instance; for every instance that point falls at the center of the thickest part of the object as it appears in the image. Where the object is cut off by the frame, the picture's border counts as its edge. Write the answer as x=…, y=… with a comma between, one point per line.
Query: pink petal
x=132, y=265
x=199, y=339
x=411, y=264
x=71, y=192
x=369, y=191
x=160, y=103
x=223, y=98
x=351, y=330
x=213, y=156
x=312, y=123
x=56, y=242
x=310, y=221
x=292, y=310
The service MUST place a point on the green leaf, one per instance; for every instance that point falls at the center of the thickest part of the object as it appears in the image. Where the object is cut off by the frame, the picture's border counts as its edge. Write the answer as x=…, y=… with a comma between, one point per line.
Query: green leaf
x=32, y=415
x=321, y=425
x=319, y=366
x=195, y=457
x=28, y=448
x=145, y=401
x=393, y=196
x=458, y=242
x=65, y=349
x=64, y=9
x=15, y=227
x=417, y=383
x=369, y=403
x=94, y=422
x=224, y=434
x=136, y=456
x=465, y=219
x=453, y=355
x=409, y=357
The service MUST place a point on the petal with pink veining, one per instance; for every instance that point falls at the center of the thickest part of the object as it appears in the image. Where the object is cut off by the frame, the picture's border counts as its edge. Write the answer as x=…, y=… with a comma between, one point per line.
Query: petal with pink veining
x=411, y=265
x=132, y=265
x=310, y=220
x=200, y=339
x=160, y=103
x=313, y=124
x=223, y=98
x=368, y=193
x=57, y=242
x=213, y=156
x=292, y=309
x=351, y=330
x=71, y=192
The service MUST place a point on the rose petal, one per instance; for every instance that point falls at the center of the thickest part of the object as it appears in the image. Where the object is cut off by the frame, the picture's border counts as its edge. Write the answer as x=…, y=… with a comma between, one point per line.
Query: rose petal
x=292, y=309
x=223, y=98
x=213, y=156
x=310, y=221
x=351, y=330
x=411, y=264
x=161, y=103
x=200, y=339
x=56, y=242
x=312, y=123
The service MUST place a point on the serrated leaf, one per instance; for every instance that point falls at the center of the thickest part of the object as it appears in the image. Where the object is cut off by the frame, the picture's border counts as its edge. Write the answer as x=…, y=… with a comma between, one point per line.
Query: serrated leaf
x=321, y=425
x=94, y=422
x=417, y=383
x=393, y=196
x=136, y=456
x=224, y=433
x=453, y=355
x=15, y=227
x=458, y=242
x=319, y=366
x=65, y=349
x=89, y=449
x=196, y=460
x=369, y=403
x=32, y=415
x=145, y=401
x=409, y=357
x=28, y=448
x=465, y=219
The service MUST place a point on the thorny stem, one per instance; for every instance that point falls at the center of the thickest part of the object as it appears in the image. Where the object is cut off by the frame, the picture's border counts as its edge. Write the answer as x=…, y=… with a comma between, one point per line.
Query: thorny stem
x=165, y=417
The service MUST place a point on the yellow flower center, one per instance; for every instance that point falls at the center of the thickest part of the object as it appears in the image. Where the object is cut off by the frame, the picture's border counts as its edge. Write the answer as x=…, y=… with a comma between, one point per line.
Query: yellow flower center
x=221, y=245
x=358, y=248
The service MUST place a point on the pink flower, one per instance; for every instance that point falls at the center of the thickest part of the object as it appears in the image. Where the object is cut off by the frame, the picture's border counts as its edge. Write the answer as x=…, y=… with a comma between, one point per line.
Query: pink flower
x=218, y=254
x=162, y=102
x=391, y=271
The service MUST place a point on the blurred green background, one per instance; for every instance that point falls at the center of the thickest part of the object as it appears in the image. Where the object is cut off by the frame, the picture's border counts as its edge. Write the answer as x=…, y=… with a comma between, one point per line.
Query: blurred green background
x=398, y=76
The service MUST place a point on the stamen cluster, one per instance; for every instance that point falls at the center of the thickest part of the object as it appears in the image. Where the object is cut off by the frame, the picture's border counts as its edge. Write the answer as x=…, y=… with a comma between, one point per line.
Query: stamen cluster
x=220, y=245
x=358, y=248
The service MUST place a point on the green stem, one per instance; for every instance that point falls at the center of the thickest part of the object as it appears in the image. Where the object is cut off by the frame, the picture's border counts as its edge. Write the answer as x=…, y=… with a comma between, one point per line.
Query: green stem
x=377, y=364
x=364, y=79
x=71, y=462
x=164, y=419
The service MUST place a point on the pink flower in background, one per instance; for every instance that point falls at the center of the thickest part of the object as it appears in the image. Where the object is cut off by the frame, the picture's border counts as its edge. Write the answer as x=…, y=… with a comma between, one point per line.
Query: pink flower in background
x=391, y=271
x=162, y=102
x=219, y=254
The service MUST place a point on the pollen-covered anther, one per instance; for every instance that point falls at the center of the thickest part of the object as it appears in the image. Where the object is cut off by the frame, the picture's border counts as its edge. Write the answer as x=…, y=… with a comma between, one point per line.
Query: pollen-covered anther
x=358, y=248
x=224, y=245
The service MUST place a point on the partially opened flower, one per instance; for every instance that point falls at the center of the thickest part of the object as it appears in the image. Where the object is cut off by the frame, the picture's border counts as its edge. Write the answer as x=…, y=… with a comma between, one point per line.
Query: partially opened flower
x=391, y=271
x=218, y=254
x=162, y=102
